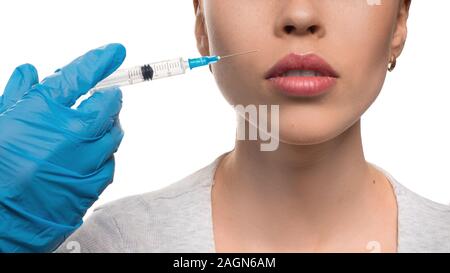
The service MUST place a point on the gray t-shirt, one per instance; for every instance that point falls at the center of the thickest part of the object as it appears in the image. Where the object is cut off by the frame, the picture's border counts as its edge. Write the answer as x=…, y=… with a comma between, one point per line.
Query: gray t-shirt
x=178, y=218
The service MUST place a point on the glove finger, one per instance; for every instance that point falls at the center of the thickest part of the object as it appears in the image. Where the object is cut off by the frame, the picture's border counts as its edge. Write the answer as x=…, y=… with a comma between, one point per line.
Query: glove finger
x=21, y=80
x=105, y=177
x=74, y=80
x=91, y=187
x=103, y=108
x=107, y=145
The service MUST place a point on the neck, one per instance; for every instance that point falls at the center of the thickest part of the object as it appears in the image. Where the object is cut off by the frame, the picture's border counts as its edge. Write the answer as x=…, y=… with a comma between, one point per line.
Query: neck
x=319, y=177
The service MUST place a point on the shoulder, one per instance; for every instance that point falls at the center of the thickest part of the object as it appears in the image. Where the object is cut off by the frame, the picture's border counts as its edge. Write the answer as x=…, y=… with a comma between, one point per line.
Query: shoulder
x=156, y=221
x=423, y=225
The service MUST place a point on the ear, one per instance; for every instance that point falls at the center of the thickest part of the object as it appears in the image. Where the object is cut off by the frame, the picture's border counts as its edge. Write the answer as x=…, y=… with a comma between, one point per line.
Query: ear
x=201, y=33
x=401, y=29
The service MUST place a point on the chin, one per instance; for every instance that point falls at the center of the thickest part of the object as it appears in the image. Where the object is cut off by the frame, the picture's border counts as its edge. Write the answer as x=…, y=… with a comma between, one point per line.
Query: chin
x=309, y=131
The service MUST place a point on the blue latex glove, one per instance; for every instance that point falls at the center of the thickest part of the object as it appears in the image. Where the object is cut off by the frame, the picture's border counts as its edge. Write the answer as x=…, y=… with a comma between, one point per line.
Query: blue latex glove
x=54, y=160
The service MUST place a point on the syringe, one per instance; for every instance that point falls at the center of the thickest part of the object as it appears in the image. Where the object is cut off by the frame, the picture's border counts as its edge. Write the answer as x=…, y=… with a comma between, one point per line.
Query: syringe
x=158, y=70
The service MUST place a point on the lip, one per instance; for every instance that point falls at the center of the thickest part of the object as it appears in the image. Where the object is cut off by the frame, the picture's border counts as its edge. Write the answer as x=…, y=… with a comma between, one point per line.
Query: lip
x=301, y=86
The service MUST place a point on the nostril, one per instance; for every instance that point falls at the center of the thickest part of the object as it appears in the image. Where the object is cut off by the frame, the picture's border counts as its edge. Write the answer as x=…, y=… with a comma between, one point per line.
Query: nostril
x=312, y=29
x=289, y=29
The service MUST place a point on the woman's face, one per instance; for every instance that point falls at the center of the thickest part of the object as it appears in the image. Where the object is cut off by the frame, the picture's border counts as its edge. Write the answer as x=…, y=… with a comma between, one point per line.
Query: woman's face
x=356, y=38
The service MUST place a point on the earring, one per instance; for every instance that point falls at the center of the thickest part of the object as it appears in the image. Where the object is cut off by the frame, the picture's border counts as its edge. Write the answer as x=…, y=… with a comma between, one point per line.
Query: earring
x=392, y=63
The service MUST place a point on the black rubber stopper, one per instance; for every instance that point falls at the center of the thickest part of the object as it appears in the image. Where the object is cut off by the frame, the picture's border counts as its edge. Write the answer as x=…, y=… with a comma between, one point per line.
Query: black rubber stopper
x=147, y=72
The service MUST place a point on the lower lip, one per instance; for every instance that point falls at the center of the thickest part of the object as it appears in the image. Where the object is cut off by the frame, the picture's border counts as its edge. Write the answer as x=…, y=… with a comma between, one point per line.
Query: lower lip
x=303, y=86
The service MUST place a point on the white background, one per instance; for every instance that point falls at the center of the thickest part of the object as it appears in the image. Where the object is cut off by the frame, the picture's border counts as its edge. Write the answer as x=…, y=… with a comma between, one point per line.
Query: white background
x=174, y=127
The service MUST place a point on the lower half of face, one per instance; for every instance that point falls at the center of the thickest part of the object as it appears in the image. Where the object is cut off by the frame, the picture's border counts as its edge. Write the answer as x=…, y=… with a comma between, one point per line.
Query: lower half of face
x=352, y=37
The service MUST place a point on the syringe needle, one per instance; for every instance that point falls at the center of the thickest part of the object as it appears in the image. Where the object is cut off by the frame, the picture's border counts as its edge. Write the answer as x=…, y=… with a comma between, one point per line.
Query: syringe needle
x=238, y=54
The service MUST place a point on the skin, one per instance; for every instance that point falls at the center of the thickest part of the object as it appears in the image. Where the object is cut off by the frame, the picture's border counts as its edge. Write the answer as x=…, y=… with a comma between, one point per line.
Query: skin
x=316, y=192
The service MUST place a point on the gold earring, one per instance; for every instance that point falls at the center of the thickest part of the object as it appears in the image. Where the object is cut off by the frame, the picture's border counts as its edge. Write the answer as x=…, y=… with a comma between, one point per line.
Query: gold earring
x=392, y=63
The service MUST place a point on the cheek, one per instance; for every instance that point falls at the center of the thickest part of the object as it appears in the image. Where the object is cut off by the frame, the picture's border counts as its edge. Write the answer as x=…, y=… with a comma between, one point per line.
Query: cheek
x=234, y=26
x=365, y=50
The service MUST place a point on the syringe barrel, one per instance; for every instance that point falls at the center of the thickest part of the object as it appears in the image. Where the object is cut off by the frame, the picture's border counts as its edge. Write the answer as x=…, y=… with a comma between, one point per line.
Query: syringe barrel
x=169, y=68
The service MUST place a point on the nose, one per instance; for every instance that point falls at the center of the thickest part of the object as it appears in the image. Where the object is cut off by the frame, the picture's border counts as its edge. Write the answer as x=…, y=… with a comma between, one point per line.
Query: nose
x=298, y=18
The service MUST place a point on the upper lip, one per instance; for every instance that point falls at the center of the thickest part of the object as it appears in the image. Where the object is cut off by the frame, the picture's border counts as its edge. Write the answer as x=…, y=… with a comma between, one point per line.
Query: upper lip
x=295, y=61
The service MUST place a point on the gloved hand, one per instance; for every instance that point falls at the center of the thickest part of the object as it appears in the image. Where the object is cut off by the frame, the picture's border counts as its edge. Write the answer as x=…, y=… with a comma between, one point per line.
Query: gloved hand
x=54, y=160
